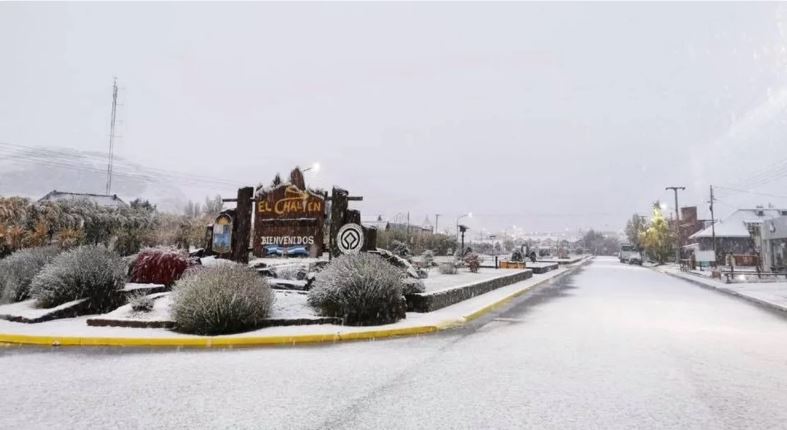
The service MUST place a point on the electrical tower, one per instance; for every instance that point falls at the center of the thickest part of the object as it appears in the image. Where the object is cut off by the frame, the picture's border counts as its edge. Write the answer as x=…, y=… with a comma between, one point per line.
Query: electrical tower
x=112, y=135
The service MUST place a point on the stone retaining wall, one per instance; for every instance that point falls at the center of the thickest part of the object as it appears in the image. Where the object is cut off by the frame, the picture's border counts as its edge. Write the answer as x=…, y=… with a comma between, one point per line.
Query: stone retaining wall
x=428, y=302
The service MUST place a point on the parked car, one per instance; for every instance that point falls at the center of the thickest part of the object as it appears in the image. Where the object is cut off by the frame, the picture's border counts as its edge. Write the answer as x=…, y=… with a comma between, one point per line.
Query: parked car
x=626, y=251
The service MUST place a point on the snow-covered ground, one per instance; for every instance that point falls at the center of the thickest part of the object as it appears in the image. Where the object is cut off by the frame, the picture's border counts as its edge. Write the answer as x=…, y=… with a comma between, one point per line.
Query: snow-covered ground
x=438, y=281
x=27, y=309
x=612, y=347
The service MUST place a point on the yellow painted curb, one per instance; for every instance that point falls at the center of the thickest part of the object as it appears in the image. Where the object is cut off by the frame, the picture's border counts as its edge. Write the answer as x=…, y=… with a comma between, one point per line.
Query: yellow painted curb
x=247, y=341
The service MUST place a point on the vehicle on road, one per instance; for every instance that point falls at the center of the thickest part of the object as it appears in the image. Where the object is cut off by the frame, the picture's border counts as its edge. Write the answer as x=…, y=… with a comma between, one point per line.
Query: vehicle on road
x=626, y=252
x=635, y=258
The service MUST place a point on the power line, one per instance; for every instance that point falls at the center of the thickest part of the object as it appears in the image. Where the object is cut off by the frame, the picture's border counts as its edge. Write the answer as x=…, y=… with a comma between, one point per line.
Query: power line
x=751, y=192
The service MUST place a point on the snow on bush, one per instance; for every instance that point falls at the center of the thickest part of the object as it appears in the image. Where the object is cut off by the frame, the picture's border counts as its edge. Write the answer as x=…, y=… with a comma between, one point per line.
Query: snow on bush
x=363, y=289
x=18, y=270
x=400, y=248
x=221, y=299
x=428, y=257
x=159, y=266
x=92, y=272
x=292, y=272
x=141, y=302
x=447, y=268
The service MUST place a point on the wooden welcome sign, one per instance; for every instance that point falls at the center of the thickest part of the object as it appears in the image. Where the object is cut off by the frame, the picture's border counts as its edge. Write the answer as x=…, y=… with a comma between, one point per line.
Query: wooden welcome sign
x=288, y=220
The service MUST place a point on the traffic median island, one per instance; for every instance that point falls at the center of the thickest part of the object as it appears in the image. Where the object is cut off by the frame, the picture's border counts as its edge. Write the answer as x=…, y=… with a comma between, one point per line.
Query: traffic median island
x=76, y=331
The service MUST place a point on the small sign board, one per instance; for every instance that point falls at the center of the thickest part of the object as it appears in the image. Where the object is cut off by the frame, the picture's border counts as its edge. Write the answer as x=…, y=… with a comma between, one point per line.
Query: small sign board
x=222, y=234
x=350, y=238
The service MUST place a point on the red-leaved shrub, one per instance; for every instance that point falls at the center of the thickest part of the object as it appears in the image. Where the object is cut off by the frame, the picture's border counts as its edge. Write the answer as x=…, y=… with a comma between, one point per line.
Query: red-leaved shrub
x=159, y=266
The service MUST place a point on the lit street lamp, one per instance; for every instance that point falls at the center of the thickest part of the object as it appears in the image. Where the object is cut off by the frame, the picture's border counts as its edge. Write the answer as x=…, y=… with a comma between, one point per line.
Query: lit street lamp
x=315, y=166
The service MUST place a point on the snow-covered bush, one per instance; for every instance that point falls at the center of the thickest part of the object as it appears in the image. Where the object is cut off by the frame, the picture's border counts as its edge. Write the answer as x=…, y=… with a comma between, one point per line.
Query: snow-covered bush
x=428, y=257
x=18, y=270
x=400, y=248
x=91, y=272
x=292, y=272
x=221, y=299
x=447, y=268
x=141, y=303
x=363, y=289
x=473, y=262
x=159, y=266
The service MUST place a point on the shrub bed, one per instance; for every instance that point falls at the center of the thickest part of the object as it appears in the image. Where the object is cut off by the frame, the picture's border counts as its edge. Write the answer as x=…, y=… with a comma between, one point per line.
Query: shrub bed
x=221, y=299
x=18, y=270
x=92, y=272
x=362, y=289
x=159, y=266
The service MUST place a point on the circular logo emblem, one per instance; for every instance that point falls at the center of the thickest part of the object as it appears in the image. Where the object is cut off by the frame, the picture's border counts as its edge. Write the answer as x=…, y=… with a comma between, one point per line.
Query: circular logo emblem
x=349, y=239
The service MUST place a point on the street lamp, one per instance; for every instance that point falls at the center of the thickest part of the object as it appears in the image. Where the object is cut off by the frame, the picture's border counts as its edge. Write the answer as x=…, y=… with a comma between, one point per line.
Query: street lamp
x=467, y=215
x=315, y=166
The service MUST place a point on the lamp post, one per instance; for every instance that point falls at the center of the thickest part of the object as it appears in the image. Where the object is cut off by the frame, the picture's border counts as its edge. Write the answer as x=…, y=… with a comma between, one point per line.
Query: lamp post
x=459, y=218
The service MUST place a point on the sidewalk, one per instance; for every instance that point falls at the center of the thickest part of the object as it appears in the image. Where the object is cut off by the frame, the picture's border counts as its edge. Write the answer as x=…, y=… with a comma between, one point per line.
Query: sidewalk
x=771, y=294
x=76, y=332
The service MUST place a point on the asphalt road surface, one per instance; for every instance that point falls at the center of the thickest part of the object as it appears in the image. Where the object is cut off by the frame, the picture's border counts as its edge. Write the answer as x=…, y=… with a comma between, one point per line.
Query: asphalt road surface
x=612, y=346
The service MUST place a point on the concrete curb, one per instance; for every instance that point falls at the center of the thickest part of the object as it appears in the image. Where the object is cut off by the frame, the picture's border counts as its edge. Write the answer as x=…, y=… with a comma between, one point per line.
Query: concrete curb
x=755, y=300
x=249, y=341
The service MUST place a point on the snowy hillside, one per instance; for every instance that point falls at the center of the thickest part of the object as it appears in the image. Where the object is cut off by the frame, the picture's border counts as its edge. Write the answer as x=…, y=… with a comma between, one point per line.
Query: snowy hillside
x=33, y=172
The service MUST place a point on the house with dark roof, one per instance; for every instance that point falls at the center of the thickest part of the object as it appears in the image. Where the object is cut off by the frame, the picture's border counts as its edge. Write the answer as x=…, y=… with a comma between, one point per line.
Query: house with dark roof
x=103, y=200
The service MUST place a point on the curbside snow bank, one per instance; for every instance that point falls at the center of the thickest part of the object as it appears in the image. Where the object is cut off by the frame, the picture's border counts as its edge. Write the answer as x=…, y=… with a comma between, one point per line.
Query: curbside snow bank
x=415, y=324
x=730, y=289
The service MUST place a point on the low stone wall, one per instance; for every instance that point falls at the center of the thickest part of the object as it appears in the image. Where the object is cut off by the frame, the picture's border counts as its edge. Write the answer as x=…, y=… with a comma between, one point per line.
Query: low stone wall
x=543, y=267
x=431, y=301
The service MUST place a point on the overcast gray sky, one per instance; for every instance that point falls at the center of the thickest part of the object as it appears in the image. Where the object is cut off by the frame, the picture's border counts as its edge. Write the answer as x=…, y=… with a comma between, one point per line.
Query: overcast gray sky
x=547, y=116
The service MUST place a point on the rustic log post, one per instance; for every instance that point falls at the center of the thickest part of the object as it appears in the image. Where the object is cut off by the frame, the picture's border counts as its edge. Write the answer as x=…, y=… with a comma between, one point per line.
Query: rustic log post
x=338, y=214
x=241, y=226
x=208, y=240
x=352, y=216
x=370, y=239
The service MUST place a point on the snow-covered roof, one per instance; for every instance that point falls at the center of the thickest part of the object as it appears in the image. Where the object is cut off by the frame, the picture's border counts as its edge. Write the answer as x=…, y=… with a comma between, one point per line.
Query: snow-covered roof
x=107, y=201
x=735, y=224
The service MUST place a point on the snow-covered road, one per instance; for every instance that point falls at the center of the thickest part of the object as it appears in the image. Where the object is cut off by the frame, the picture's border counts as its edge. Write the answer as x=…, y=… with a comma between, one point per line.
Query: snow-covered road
x=612, y=346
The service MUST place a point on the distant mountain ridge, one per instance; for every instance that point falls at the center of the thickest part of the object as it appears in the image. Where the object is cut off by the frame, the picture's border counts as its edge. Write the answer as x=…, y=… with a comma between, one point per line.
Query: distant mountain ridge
x=33, y=172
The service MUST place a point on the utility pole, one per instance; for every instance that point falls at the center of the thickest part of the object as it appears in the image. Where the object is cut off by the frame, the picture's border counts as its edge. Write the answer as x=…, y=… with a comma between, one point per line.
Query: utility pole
x=112, y=134
x=677, y=222
x=713, y=227
x=436, y=217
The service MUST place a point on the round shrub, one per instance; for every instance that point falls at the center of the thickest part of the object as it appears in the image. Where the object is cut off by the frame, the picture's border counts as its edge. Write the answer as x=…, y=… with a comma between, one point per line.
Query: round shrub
x=221, y=299
x=91, y=272
x=447, y=268
x=18, y=270
x=363, y=289
x=159, y=266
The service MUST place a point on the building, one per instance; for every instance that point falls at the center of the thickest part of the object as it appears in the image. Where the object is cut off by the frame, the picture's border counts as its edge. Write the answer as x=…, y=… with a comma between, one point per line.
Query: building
x=774, y=244
x=103, y=200
x=382, y=225
x=739, y=233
